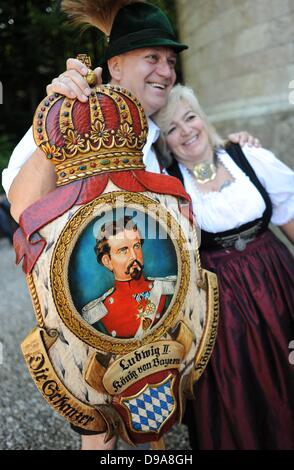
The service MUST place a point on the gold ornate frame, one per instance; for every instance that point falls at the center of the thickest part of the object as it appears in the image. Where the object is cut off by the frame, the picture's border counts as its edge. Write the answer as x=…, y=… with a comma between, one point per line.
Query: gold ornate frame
x=60, y=261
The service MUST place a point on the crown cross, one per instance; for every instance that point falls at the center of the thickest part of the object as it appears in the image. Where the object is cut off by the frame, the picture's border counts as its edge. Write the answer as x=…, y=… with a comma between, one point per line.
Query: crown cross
x=85, y=59
x=90, y=76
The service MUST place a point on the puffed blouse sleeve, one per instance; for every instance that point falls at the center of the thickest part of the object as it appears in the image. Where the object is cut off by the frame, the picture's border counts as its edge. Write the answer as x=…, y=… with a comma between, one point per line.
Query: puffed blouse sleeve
x=22, y=152
x=278, y=180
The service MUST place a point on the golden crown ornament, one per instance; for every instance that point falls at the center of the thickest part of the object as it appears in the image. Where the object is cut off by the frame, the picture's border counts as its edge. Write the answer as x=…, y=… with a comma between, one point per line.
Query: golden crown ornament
x=105, y=134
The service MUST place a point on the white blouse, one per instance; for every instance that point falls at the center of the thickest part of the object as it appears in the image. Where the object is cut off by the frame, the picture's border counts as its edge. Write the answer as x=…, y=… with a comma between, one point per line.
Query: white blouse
x=240, y=202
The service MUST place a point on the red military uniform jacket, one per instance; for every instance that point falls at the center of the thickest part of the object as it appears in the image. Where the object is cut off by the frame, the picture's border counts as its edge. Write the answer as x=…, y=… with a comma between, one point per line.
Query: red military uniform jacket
x=131, y=306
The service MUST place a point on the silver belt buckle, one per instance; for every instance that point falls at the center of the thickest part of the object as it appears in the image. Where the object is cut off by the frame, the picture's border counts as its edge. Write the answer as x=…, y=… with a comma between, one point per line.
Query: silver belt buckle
x=240, y=244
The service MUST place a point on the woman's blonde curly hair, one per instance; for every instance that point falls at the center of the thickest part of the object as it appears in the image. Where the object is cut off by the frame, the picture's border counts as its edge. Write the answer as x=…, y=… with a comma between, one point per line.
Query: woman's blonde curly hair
x=164, y=117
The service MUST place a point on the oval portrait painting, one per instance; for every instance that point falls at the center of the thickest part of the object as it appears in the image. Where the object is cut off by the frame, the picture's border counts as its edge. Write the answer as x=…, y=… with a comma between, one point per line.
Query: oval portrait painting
x=123, y=273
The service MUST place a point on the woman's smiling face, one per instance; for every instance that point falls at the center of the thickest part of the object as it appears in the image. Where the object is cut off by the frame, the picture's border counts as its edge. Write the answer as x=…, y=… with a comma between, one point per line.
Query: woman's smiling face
x=186, y=136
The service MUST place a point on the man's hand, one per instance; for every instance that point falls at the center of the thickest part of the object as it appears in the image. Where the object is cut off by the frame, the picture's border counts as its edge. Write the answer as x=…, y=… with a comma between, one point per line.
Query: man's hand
x=72, y=82
x=243, y=138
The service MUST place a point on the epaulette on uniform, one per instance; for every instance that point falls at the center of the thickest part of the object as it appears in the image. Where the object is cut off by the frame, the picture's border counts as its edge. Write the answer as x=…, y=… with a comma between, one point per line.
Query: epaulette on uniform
x=95, y=310
x=94, y=302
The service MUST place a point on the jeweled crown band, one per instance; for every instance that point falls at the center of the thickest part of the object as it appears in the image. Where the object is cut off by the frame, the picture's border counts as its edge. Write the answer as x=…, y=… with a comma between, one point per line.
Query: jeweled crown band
x=97, y=164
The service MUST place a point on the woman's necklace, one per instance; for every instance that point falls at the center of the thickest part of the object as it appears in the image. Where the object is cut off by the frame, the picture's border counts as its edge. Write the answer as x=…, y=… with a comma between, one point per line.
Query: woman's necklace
x=205, y=171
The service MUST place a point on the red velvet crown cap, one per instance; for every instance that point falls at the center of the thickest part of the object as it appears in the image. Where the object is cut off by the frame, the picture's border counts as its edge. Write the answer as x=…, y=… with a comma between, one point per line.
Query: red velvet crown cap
x=105, y=134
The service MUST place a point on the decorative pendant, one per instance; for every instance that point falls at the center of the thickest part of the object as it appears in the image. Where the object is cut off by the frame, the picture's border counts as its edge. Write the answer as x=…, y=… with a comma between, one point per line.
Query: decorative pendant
x=204, y=172
x=240, y=244
x=148, y=310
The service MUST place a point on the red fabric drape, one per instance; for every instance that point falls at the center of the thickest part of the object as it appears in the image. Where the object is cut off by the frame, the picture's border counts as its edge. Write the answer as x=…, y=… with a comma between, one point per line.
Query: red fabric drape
x=29, y=244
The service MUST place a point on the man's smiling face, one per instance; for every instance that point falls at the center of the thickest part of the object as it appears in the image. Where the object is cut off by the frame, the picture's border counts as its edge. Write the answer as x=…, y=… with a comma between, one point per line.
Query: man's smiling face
x=149, y=73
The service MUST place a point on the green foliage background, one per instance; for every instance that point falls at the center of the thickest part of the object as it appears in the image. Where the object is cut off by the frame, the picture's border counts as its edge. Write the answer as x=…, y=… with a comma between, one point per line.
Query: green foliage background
x=35, y=41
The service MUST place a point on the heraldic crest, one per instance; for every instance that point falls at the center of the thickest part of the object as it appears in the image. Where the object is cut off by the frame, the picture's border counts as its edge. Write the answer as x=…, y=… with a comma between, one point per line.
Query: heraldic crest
x=126, y=317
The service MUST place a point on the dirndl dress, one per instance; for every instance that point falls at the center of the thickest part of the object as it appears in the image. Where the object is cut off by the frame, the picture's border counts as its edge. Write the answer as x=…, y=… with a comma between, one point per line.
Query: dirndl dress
x=245, y=397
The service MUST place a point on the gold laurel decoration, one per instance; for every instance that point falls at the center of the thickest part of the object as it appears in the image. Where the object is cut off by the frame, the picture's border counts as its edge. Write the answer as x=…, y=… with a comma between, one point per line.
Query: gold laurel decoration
x=35, y=300
x=59, y=269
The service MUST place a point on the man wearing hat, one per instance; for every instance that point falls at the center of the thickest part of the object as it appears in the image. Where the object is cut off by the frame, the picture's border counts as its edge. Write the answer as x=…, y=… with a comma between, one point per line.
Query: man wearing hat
x=140, y=56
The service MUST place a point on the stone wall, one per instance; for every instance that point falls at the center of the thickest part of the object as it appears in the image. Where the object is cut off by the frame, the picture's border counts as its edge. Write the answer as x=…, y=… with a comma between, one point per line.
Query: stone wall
x=241, y=64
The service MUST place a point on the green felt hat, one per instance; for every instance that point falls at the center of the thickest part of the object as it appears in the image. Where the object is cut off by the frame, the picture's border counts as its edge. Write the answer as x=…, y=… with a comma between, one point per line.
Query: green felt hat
x=141, y=25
